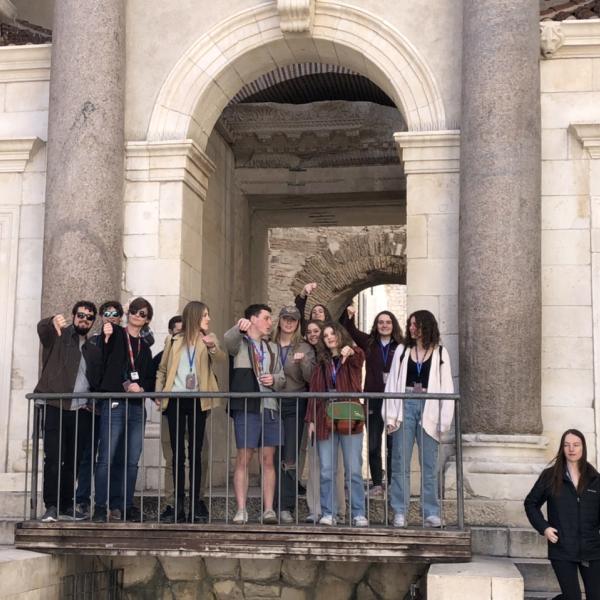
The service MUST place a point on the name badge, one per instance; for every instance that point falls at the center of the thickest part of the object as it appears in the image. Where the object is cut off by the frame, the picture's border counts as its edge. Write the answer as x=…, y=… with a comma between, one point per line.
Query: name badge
x=190, y=381
x=134, y=376
x=385, y=376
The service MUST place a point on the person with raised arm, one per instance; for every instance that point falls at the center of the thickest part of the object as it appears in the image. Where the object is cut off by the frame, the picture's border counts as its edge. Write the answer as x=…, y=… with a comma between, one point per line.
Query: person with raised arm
x=319, y=312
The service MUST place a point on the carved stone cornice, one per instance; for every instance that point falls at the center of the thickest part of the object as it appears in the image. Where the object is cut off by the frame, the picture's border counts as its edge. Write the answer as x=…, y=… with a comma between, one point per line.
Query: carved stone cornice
x=552, y=37
x=570, y=39
x=179, y=160
x=25, y=63
x=16, y=152
x=295, y=16
x=589, y=136
x=429, y=151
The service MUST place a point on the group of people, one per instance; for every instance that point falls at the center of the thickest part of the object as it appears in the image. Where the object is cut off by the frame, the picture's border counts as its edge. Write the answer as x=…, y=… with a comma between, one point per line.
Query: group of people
x=105, y=437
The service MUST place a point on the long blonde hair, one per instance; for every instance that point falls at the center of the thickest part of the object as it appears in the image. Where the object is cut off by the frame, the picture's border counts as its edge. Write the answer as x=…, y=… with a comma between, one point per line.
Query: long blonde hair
x=192, y=317
x=296, y=336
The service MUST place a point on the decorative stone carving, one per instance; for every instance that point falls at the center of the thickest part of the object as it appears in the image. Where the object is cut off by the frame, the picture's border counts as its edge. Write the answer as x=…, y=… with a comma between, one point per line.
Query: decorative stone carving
x=589, y=136
x=552, y=37
x=295, y=15
x=15, y=152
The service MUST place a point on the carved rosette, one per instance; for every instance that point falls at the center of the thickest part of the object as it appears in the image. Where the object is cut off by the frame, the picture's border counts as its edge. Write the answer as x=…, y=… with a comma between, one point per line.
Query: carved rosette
x=552, y=37
x=295, y=15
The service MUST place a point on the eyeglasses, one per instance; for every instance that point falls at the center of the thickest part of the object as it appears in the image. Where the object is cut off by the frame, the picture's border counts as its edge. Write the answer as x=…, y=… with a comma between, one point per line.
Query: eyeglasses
x=140, y=313
x=111, y=313
x=89, y=318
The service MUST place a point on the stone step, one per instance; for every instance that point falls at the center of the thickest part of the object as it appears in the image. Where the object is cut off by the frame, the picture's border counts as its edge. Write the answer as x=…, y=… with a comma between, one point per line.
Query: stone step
x=7, y=531
x=538, y=575
x=512, y=542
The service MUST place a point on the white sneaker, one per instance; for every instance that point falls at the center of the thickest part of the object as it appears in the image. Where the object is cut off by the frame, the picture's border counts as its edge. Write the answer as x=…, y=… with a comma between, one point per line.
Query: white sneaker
x=327, y=520
x=241, y=516
x=311, y=518
x=269, y=517
x=433, y=521
x=360, y=521
x=286, y=516
x=399, y=520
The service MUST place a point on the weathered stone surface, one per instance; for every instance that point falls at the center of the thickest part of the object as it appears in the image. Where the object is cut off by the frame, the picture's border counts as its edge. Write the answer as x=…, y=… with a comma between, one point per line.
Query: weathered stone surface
x=491, y=541
x=299, y=572
x=364, y=592
x=222, y=567
x=288, y=593
x=260, y=570
x=137, y=570
x=256, y=590
x=500, y=247
x=330, y=587
x=228, y=590
x=183, y=568
x=393, y=581
x=353, y=572
x=189, y=590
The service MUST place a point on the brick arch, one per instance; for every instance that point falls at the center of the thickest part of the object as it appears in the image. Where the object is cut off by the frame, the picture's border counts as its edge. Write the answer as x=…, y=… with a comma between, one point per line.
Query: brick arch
x=365, y=260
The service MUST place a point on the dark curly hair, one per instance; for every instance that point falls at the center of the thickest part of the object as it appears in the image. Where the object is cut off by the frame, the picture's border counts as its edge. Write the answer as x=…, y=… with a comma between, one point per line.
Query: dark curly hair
x=428, y=326
x=397, y=335
x=343, y=338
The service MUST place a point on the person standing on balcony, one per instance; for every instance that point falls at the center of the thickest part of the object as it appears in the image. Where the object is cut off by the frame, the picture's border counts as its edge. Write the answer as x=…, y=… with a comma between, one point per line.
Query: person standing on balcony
x=70, y=364
x=257, y=422
x=187, y=366
x=379, y=347
x=319, y=312
x=421, y=366
x=127, y=367
x=338, y=369
x=571, y=489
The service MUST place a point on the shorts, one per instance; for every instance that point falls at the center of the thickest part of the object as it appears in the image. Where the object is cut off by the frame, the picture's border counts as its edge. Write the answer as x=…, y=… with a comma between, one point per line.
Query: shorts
x=257, y=430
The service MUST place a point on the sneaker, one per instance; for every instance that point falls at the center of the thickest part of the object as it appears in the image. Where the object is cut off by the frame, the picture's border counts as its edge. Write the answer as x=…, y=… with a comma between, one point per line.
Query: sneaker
x=433, y=521
x=327, y=520
x=286, y=516
x=99, y=515
x=50, y=515
x=241, y=516
x=84, y=508
x=180, y=517
x=115, y=514
x=360, y=521
x=376, y=491
x=167, y=515
x=71, y=515
x=399, y=520
x=311, y=518
x=200, y=512
x=133, y=515
x=269, y=517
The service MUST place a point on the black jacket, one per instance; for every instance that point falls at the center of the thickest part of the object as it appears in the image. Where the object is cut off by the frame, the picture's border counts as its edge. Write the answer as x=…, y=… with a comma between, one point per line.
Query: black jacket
x=577, y=518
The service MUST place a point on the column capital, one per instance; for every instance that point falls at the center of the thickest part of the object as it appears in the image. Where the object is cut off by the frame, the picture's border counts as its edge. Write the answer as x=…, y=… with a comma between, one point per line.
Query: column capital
x=429, y=151
x=173, y=160
x=16, y=152
x=589, y=136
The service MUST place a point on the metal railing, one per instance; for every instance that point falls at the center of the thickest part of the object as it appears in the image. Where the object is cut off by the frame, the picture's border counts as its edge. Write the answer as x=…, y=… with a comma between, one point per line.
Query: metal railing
x=84, y=440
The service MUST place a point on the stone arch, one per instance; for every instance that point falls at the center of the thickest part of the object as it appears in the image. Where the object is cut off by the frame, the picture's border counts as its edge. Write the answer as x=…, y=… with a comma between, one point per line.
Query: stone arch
x=251, y=43
x=362, y=261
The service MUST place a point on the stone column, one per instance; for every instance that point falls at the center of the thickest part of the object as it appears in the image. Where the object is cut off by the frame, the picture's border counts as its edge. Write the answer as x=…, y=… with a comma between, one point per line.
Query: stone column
x=499, y=247
x=84, y=211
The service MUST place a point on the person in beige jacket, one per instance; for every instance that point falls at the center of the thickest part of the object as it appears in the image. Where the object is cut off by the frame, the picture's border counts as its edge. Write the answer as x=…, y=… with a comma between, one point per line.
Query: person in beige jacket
x=187, y=366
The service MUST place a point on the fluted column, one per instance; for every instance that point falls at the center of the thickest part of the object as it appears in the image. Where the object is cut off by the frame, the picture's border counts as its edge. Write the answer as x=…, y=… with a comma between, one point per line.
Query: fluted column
x=83, y=213
x=499, y=247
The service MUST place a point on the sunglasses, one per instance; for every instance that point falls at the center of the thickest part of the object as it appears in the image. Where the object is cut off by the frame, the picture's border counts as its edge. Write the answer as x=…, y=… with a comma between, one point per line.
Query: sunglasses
x=140, y=313
x=88, y=318
x=111, y=313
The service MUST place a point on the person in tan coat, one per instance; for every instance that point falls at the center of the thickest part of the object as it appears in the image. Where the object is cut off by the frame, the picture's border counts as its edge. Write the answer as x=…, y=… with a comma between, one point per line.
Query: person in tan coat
x=187, y=366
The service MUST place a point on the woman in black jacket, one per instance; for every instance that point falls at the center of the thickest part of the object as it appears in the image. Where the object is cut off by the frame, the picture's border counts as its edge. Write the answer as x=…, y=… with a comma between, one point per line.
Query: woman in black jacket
x=571, y=487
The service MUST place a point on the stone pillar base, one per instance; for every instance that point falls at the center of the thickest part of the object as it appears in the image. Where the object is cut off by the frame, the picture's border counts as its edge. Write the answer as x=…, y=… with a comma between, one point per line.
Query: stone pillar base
x=498, y=472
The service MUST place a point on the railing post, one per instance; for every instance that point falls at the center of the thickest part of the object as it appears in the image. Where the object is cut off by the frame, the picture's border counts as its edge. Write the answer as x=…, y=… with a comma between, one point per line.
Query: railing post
x=35, y=457
x=460, y=498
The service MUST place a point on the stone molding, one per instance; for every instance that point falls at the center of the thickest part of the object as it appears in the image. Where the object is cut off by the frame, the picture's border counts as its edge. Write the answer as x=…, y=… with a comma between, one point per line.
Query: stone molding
x=589, y=136
x=181, y=160
x=211, y=72
x=25, y=63
x=7, y=9
x=429, y=151
x=570, y=39
x=295, y=16
x=16, y=152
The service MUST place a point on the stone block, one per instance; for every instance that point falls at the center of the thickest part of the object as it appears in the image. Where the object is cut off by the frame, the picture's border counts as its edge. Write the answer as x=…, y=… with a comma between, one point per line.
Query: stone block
x=329, y=587
x=29, y=280
x=147, y=276
x=11, y=188
x=565, y=212
x=183, y=568
x=561, y=109
x=537, y=574
x=566, y=353
x=299, y=572
x=34, y=188
x=392, y=581
x=565, y=247
x=228, y=590
x=364, y=592
x=256, y=590
x=416, y=236
x=572, y=75
x=578, y=418
x=260, y=569
x=566, y=285
x=565, y=178
x=170, y=238
x=141, y=218
x=349, y=571
x=568, y=387
x=442, y=236
x=140, y=246
x=434, y=193
x=137, y=570
x=491, y=541
x=142, y=191
x=567, y=321
x=289, y=593
x=596, y=74
x=554, y=144
x=222, y=567
x=24, y=124
x=26, y=96
x=430, y=303
x=448, y=315
x=432, y=277
x=171, y=200
x=31, y=223
x=526, y=543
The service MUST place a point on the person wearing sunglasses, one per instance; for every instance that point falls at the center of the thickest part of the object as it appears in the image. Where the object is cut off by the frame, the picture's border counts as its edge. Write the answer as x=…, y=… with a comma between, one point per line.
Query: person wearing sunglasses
x=127, y=367
x=70, y=364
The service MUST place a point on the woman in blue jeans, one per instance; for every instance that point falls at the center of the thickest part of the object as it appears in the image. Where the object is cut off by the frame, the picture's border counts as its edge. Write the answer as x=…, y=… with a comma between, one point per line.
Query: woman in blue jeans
x=421, y=365
x=338, y=369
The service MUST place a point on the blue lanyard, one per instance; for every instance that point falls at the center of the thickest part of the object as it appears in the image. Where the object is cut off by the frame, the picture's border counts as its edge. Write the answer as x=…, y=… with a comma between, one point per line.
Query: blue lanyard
x=191, y=357
x=334, y=370
x=385, y=352
x=259, y=354
x=284, y=355
x=420, y=364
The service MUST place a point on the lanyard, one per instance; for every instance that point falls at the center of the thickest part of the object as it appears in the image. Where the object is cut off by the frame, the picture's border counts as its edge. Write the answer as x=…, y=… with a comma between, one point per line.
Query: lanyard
x=191, y=357
x=131, y=358
x=334, y=370
x=420, y=364
x=284, y=355
x=385, y=352
x=259, y=354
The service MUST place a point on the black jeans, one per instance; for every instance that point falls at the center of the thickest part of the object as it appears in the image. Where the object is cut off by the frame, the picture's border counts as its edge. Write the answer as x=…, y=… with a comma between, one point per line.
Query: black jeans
x=65, y=433
x=566, y=573
x=375, y=427
x=189, y=416
x=292, y=423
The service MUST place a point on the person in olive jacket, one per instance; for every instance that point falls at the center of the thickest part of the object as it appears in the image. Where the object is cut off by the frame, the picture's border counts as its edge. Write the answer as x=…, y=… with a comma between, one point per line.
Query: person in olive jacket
x=571, y=489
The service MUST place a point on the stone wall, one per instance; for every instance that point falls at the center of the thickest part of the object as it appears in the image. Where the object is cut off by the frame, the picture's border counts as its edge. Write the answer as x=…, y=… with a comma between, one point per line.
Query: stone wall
x=233, y=579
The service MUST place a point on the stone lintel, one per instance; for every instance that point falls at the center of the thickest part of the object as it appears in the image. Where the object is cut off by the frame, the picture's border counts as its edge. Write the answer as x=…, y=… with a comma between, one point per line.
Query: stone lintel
x=296, y=16
x=16, y=152
x=570, y=39
x=173, y=160
x=25, y=63
x=589, y=136
x=429, y=151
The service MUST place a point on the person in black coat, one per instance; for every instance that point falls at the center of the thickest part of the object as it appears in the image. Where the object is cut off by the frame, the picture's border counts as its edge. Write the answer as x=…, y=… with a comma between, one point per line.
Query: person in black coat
x=571, y=489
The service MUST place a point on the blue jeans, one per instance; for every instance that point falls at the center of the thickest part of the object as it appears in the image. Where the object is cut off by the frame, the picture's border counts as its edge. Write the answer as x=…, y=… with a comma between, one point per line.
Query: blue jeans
x=352, y=453
x=126, y=435
x=404, y=440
